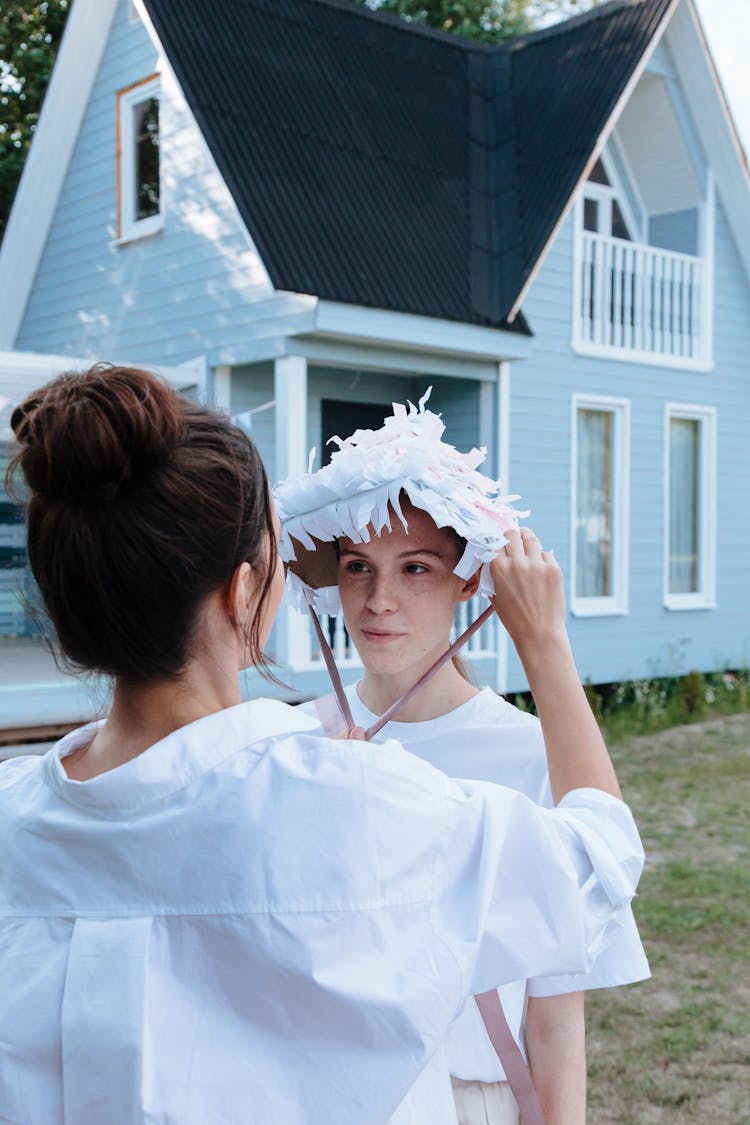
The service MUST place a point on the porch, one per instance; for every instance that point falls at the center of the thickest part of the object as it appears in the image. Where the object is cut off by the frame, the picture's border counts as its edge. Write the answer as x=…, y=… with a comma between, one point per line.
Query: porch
x=288, y=402
x=295, y=403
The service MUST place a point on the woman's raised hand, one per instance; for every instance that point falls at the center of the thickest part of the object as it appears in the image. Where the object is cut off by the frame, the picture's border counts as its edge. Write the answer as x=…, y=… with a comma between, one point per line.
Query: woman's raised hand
x=529, y=601
x=529, y=598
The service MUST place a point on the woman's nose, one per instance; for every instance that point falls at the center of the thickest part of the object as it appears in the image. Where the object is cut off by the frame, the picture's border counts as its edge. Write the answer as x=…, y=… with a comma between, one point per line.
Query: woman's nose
x=382, y=594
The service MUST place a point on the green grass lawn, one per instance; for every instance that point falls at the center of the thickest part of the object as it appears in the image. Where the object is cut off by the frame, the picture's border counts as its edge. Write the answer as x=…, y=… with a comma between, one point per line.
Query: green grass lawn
x=677, y=1048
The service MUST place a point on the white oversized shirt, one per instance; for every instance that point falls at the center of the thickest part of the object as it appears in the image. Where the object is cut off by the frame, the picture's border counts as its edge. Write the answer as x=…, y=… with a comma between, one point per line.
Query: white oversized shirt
x=244, y=924
x=489, y=739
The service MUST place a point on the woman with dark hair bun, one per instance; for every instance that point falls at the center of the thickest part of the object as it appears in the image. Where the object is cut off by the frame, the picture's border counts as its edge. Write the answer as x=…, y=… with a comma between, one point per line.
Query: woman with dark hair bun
x=208, y=914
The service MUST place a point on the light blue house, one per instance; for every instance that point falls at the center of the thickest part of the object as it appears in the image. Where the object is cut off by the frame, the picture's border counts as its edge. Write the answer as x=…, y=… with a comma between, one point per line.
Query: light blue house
x=305, y=211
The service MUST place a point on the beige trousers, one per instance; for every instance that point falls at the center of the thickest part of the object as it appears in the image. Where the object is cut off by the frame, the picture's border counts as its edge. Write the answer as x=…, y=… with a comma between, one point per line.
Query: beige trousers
x=484, y=1103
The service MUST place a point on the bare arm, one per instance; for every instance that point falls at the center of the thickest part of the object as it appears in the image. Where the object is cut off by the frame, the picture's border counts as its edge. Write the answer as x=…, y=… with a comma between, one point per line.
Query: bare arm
x=556, y=1046
x=530, y=603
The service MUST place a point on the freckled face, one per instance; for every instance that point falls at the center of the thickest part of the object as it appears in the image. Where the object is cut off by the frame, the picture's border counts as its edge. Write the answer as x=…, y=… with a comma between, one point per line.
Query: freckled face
x=399, y=595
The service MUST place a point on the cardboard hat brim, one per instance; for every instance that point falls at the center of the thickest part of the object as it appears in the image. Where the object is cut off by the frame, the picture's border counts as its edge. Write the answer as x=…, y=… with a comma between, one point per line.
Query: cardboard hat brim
x=317, y=567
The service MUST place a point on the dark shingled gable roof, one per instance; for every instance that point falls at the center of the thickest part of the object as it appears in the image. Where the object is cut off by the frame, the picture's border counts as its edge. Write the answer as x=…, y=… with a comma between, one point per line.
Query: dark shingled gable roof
x=382, y=164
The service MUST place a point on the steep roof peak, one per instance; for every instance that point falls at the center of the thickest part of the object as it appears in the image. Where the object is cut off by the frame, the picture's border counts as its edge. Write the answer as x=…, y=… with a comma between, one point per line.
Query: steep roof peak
x=380, y=163
x=410, y=27
x=572, y=24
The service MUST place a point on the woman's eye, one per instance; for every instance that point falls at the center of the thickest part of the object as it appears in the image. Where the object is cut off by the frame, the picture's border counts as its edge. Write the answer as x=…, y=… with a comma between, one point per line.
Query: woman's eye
x=356, y=567
x=416, y=568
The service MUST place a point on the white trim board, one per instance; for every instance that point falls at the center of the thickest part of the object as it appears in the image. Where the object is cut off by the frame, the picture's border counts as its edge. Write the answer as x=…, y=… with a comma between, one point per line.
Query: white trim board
x=635, y=223
x=615, y=145
x=428, y=334
x=46, y=166
x=327, y=352
x=626, y=355
x=129, y=226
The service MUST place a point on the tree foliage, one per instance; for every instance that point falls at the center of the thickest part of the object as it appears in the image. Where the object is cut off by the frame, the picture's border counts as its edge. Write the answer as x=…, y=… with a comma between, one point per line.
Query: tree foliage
x=30, y=34
x=489, y=21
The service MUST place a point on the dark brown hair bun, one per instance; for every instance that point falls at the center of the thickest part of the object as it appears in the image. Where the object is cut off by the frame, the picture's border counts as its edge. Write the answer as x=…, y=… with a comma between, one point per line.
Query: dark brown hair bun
x=85, y=435
x=140, y=505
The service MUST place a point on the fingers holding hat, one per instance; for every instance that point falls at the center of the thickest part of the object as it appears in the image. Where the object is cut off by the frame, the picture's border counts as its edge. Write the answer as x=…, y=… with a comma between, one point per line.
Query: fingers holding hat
x=529, y=596
x=522, y=542
x=532, y=546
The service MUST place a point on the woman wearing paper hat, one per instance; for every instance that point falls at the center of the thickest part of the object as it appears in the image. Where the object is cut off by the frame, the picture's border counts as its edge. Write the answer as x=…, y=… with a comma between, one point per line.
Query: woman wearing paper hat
x=398, y=530
x=207, y=913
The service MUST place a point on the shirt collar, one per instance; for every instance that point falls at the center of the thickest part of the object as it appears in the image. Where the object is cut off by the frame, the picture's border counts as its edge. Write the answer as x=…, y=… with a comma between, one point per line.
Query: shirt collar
x=411, y=733
x=173, y=762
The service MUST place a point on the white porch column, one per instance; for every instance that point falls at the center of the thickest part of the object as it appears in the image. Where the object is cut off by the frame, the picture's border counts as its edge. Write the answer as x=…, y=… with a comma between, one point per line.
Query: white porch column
x=487, y=436
x=221, y=391
x=502, y=470
x=290, y=442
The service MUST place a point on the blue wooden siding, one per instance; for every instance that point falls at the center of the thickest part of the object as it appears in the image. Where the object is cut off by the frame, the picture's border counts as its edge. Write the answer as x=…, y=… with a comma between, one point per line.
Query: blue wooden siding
x=675, y=231
x=195, y=288
x=649, y=640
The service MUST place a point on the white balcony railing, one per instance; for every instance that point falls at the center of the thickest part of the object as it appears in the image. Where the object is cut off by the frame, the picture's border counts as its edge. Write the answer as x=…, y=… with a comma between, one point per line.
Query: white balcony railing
x=483, y=645
x=640, y=299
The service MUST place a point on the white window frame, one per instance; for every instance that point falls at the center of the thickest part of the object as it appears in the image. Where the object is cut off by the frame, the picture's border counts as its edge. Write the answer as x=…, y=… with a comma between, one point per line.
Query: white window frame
x=128, y=227
x=705, y=596
x=637, y=223
x=615, y=604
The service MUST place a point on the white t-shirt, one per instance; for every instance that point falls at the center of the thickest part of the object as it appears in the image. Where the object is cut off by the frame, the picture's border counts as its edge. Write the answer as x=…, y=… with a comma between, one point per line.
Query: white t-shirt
x=489, y=739
x=244, y=923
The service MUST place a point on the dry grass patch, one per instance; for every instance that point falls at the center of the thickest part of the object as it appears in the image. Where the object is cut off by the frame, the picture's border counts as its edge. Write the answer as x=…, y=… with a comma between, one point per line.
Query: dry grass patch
x=677, y=1048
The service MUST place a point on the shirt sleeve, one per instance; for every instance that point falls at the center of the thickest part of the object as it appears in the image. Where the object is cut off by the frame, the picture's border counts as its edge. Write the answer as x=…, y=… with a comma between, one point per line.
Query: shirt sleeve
x=622, y=960
x=522, y=891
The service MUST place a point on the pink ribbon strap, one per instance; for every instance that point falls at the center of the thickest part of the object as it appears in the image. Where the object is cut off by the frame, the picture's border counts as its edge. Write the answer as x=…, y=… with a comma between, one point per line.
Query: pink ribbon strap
x=441, y=660
x=387, y=715
x=509, y=1053
x=333, y=671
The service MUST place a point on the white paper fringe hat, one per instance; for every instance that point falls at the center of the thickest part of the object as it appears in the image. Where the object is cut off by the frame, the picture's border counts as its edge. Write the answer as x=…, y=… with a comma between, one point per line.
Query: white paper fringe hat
x=362, y=486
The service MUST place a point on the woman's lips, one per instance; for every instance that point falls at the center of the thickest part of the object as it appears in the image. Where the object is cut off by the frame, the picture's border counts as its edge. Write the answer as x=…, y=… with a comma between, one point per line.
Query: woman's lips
x=379, y=636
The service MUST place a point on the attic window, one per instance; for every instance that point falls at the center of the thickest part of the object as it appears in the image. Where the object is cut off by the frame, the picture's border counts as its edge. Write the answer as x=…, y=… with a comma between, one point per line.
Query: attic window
x=140, y=208
x=597, y=175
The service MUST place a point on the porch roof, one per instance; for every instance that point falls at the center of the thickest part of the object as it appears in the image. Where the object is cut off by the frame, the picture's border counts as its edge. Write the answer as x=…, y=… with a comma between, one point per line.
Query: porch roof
x=381, y=164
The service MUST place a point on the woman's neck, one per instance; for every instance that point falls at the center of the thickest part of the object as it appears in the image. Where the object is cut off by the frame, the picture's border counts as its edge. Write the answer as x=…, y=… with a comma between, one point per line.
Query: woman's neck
x=443, y=693
x=143, y=714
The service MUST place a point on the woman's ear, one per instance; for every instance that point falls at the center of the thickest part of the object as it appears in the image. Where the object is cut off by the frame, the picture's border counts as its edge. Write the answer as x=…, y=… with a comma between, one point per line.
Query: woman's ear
x=469, y=587
x=240, y=593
